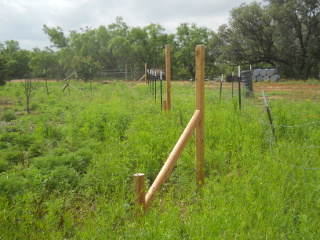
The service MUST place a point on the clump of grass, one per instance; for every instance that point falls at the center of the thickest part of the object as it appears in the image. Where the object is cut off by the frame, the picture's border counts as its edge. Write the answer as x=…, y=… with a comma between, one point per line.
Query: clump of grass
x=8, y=116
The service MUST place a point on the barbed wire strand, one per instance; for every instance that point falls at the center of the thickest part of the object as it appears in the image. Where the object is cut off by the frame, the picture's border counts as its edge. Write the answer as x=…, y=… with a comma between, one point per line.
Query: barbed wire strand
x=295, y=166
x=287, y=146
x=281, y=125
x=68, y=77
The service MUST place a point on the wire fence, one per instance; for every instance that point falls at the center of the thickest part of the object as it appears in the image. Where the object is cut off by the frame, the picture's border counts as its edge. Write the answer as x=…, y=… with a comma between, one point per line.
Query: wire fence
x=250, y=106
x=119, y=74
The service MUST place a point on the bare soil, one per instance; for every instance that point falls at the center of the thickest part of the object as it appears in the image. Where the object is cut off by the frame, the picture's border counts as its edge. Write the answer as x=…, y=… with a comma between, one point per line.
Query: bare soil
x=293, y=90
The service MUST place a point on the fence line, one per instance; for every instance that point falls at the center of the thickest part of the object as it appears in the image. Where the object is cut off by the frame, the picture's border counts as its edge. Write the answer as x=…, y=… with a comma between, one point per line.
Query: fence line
x=293, y=126
x=281, y=125
x=69, y=76
x=125, y=74
x=285, y=126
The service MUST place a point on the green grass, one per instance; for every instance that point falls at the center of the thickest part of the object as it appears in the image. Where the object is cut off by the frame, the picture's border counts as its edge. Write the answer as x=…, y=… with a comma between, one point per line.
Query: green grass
x=67, y=168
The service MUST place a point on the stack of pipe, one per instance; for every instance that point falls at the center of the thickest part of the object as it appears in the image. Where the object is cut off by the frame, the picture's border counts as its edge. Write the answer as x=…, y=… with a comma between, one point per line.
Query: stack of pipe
x=260, y=75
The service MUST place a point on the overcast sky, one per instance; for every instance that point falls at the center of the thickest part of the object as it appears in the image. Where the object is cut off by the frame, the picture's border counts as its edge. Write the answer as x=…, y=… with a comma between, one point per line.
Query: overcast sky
x=23, y=20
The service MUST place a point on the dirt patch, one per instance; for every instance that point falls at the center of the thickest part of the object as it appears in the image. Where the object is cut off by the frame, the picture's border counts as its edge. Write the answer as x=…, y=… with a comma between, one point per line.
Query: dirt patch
x=277, y=90
x=35, y=80
x=5, y=102
x=290, y=90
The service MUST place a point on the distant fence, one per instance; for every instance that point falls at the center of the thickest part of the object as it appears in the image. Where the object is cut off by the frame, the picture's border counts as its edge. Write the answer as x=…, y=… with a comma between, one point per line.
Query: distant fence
x=120, y=74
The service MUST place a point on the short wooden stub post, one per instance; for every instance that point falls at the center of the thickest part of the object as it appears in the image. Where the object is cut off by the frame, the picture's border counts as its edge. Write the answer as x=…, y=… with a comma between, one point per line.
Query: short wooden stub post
x=168, y=76
x=165, y=105
x=139, y=188
x=200, y=64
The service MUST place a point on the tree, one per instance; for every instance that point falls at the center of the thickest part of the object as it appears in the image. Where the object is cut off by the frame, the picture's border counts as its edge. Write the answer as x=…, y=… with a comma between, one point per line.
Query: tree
x=187, y=37
x=253, y=31
x=282, y=33
x=220, y=56
x=4, y=70
x=17, y=59
x=86, y=67
x=56, y=36
x=43, y=63
x=148, y=44
x=30, y=88
x=297, y=23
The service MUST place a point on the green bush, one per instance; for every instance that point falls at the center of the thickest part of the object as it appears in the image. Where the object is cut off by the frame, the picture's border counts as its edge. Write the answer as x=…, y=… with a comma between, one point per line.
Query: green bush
x=36, y=149
x=62, y=178
x=80, y=160
x=12, y=155
x=12, y=184
x=8, y=116
x=4, y=165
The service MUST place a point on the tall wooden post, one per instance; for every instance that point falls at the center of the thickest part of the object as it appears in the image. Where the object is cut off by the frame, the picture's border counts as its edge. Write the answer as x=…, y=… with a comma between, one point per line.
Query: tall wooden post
x=140, y=192
x=168, y=76
x=200, y=63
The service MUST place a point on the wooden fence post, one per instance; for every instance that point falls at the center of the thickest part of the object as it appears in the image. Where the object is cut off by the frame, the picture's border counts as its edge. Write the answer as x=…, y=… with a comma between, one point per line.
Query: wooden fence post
x=165, y=105
x=140, y=192
x=200, y=63
x=168, y=76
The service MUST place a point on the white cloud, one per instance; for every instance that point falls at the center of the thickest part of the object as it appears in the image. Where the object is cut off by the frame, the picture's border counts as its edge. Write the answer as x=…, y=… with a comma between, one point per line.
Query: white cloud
x=22, y=20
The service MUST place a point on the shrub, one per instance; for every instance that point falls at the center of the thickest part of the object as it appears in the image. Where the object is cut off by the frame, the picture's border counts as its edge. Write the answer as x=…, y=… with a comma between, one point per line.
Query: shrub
x=4, y=165
x=12, y=184
x=63, y=178
x=12, y=155
x=80, y=160
x=8, y=116
x=47, y=163
x=35, y=149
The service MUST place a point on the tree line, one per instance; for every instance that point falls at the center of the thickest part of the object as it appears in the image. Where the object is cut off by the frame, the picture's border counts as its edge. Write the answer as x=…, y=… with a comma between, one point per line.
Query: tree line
x=282, y=34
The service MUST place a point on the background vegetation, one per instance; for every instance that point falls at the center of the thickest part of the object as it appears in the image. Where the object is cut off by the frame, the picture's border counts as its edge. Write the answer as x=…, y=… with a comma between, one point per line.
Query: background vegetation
x=278, y=34
x=66, y=168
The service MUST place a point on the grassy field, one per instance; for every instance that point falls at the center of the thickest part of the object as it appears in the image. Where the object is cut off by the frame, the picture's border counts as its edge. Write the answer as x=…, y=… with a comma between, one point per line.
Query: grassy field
x=66, y=169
